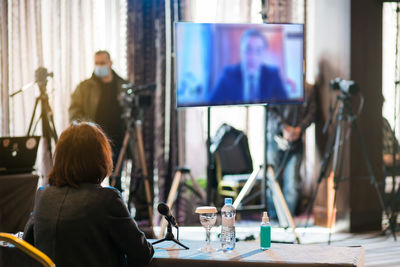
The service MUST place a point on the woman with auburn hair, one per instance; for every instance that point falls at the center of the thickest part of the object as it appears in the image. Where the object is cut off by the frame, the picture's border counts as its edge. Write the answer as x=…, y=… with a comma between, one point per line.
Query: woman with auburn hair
x=76, y=221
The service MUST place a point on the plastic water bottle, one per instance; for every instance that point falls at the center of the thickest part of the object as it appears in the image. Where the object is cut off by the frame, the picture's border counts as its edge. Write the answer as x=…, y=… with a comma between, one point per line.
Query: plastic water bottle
x=265, y=232
x=228, y=234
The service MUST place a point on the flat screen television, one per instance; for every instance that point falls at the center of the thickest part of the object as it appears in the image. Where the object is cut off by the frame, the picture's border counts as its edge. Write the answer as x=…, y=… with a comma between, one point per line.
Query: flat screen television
x=238, y=64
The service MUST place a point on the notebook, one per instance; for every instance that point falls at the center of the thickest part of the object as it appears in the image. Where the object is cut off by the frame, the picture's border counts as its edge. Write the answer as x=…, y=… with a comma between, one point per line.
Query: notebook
x=18, y=154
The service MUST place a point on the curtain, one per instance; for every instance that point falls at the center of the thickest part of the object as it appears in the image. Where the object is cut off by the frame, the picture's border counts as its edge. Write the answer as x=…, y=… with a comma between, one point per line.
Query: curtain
x=4, y=115
x=61, y=36
x=390, y=88
x=289, y=11
x=150, y=26
x=141, y=71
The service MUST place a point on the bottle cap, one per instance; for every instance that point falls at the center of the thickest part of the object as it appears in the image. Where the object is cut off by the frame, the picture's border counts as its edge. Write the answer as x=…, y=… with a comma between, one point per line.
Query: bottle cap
x=265, y=217
x=228, y=201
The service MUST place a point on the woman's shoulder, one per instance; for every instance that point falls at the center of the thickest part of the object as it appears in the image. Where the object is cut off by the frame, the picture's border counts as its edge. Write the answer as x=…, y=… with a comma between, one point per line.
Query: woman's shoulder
x=110, y=191
x=89, y=189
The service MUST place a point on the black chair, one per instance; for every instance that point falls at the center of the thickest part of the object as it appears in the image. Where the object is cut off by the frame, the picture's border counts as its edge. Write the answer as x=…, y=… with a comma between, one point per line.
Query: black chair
x=233, y=162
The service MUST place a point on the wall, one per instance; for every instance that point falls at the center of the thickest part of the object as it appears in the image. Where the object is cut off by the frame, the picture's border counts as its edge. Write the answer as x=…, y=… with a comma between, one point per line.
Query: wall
x=344, y=40
x=328, y=57
x=366, y=69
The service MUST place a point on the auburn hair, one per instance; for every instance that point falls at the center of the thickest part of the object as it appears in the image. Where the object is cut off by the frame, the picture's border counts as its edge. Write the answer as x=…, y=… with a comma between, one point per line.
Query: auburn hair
x=83, y=155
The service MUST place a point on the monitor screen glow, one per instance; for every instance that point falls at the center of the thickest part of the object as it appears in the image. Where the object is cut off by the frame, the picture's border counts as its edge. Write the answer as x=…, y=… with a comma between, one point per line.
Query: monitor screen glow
x=238, y=64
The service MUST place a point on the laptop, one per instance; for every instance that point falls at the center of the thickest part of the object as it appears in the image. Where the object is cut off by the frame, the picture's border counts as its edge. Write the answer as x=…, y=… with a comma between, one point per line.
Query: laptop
x=18, y=154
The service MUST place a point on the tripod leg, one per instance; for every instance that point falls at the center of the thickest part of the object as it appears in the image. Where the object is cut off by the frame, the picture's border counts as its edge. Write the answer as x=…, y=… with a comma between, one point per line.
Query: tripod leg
x=120, y=159
x=247, y=187
x=180, y=244
x=170, y=239
x=197, y=187
x=373, y=178
x=52, y=124
x=159, y=241
x=322, y=173
x=33, y=116
x=280, y=203
x=142, y=161
x=338, y=161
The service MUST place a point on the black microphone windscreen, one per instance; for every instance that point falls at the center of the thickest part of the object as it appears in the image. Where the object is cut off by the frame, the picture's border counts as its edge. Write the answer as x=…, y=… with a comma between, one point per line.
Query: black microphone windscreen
x=163, y=209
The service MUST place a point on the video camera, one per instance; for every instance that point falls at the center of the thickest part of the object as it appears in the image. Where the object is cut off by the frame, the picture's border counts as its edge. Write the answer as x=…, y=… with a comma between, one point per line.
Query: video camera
x=347, y=87
x=131, y=95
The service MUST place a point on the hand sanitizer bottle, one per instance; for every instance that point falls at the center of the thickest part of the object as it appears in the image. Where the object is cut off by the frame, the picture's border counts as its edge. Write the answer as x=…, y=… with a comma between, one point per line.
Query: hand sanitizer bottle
x=265, y=232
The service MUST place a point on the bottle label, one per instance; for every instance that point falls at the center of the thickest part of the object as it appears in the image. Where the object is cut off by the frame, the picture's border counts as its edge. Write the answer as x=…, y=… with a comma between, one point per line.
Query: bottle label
x=228, y=222
x=265, y=236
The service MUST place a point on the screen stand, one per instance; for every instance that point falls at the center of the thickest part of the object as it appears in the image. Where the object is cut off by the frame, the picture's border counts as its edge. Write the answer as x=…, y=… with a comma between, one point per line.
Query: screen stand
x=210, y=166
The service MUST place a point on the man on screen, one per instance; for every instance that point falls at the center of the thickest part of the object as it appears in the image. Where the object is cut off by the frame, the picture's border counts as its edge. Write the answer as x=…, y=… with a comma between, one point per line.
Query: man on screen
x=250, y=81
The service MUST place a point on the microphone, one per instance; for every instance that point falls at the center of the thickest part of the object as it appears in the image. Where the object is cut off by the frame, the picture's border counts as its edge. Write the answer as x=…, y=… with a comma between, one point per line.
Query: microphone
x=164, y=210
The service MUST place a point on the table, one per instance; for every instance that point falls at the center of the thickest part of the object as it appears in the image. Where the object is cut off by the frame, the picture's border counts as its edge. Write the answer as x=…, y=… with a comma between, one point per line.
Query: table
x=245, y=254
x=249, y=254
x=17, y=195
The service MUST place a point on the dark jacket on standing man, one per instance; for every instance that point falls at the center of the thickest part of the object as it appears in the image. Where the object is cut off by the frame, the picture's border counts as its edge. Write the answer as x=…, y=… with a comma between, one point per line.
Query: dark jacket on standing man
x=85, y=99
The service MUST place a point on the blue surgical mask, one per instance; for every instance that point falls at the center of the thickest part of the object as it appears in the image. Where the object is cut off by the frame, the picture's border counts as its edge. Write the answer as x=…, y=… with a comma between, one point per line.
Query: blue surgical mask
x=101, y=71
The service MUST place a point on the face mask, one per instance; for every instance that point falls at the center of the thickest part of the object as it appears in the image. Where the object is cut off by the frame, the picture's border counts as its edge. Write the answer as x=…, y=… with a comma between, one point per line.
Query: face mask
x=101, y=71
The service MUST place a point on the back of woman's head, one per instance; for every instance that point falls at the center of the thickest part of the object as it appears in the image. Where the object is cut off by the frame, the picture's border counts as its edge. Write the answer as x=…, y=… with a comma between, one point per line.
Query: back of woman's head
x=83, y=155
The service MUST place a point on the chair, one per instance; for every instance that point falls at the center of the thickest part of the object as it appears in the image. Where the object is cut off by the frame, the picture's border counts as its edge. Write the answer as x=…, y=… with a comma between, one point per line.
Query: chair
x=233, y=162
x=392, y=197
x=28, y=249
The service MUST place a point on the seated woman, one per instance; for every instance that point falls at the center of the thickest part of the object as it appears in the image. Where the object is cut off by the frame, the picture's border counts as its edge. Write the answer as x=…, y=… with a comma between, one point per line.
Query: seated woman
x=76, y=221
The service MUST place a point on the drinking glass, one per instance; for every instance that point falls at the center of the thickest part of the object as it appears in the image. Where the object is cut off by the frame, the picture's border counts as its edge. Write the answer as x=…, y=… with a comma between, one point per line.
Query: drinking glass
x=208, y=217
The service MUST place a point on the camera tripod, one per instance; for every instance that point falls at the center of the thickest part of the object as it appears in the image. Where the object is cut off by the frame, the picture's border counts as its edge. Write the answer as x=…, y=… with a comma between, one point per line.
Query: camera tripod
x=345, y=122
x=46, y=114
x=133, y=140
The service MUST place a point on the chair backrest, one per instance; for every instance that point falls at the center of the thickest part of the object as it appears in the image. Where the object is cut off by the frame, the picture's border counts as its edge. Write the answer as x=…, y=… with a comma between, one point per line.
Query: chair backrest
x=28, y=249
x=231, y=148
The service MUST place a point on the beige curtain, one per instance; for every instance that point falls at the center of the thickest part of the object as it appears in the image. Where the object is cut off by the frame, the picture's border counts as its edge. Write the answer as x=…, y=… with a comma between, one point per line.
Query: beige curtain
x=3, y=69
x=289, y=11
x=62, y=36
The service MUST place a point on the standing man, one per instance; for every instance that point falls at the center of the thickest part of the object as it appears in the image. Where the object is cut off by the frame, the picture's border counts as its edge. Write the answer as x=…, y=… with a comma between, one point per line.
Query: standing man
x=286, y=126
x=96, y=100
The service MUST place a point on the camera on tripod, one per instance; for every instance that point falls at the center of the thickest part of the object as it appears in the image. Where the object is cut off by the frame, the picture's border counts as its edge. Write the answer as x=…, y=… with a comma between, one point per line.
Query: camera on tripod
x=133, y=96
x=347, y=87
x=41, y=75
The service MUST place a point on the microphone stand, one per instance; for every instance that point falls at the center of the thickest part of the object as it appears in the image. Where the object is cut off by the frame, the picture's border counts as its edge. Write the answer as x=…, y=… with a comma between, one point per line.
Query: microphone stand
x=169, y=236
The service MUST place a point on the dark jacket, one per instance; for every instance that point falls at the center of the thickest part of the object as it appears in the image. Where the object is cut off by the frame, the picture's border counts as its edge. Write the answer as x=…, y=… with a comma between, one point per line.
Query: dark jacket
x=86, y=97
x=86, y=226
x=295, y=115
x=230, y=86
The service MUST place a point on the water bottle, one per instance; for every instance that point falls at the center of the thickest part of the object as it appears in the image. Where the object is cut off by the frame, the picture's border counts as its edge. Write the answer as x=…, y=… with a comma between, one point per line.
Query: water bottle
x=228, y=235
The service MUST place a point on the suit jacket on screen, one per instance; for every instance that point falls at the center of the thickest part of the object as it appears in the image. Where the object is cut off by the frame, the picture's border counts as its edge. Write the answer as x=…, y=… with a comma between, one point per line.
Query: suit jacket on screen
x=86, y=226
x=230, y=86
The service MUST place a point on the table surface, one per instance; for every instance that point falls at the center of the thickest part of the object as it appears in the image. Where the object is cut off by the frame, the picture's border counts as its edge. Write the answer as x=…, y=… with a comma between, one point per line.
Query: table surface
x=245, y=254
x=251, y=254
